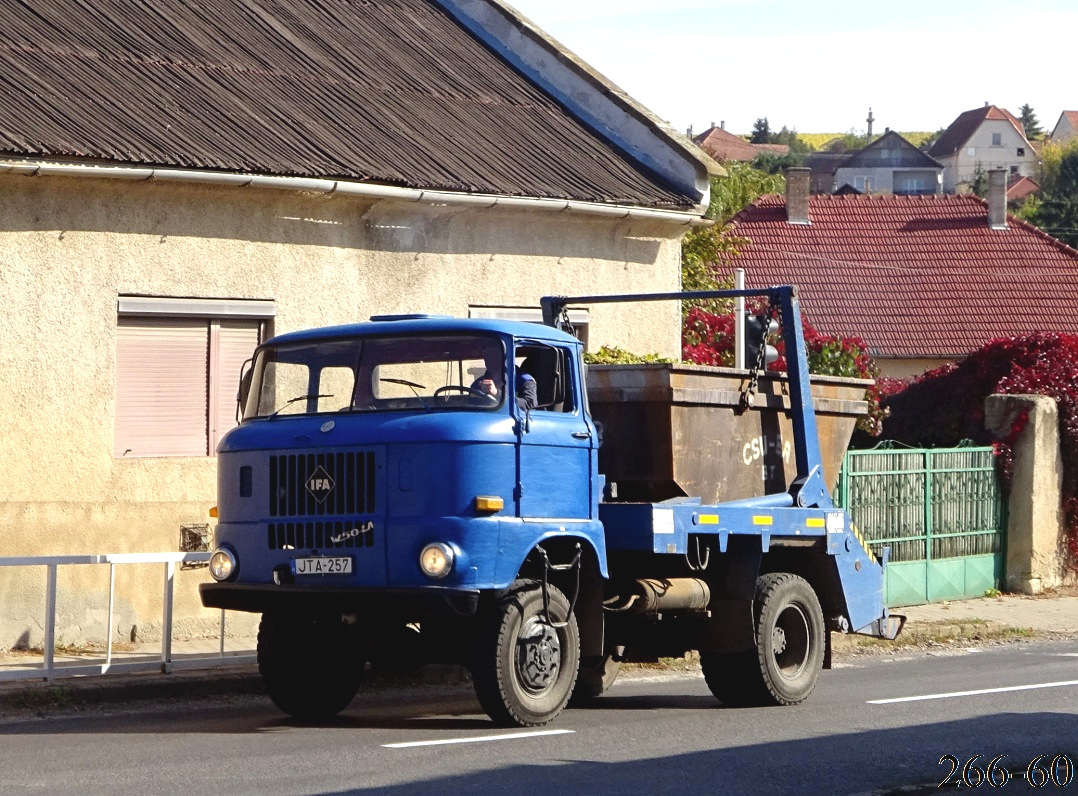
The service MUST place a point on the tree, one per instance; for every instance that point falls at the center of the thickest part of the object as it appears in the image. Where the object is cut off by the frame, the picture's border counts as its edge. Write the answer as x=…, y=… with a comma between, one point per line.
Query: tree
x=761, y=132
x=1030, y=123
x=777, y=164
x=1057, y=213
x=791, y=139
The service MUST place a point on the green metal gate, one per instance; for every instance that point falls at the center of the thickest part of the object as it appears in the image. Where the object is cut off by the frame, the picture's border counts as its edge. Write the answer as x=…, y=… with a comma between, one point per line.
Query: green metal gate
x=940, y=511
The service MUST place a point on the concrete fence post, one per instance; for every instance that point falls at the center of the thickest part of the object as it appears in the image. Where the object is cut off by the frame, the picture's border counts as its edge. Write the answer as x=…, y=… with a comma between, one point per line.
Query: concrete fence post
x=1035, y=538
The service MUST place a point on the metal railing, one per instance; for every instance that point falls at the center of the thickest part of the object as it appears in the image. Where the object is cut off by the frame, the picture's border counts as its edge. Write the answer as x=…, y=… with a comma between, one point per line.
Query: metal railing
x=50, y=669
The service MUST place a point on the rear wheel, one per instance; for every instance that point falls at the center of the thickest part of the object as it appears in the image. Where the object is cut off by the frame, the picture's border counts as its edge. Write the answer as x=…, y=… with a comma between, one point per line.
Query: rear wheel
x=784, y=667
x=525, y=662
x=311, y=665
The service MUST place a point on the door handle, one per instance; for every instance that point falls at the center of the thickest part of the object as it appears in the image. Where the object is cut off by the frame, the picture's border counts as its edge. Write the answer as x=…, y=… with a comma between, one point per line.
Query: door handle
x=581, y=435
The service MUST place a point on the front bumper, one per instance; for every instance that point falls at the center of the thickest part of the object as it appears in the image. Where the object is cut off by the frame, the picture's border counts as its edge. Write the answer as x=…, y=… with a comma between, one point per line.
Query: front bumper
x=415, y=604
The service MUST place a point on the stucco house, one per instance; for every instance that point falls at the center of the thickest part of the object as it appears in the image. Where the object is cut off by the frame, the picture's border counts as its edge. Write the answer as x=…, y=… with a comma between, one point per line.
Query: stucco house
x=890, y=164
x=1066, y=127
x=979, y=141
x=923, y=280
x=176, y=186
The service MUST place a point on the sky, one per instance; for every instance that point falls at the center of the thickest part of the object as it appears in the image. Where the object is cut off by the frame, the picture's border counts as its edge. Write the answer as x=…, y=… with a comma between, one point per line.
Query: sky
x=817, y=67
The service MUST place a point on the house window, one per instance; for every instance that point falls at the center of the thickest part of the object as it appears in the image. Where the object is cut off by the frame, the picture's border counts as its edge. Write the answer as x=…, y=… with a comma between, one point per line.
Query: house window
x=997, y=139
x=178, y=365
x=579, y=318
x=1021, y=151
x=1014, y=169
x=863, y=184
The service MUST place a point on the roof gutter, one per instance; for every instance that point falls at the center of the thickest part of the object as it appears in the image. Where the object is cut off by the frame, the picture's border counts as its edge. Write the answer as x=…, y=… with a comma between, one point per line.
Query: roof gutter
x=358, y=189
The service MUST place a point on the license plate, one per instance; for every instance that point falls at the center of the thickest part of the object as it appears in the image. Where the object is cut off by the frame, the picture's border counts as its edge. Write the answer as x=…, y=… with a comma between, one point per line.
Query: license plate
x=323, y=565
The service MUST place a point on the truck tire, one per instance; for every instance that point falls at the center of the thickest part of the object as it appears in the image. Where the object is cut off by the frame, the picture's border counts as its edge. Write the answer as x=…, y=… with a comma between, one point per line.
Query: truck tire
x=524, y=667
x=311, y=665
x=593, y=678
x=784, y=667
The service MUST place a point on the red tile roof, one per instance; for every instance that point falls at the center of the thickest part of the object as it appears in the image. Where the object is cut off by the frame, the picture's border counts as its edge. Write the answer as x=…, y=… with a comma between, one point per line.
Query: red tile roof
x=962, y=128
x=722, y=145
x=914, y=276
x=1019, y=187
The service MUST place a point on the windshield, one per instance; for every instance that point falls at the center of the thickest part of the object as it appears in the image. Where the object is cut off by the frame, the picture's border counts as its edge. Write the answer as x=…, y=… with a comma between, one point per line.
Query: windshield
x=378, y=374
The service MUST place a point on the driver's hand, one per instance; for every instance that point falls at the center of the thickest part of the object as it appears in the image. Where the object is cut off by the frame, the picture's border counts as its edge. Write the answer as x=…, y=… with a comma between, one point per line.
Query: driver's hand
x=487, y=386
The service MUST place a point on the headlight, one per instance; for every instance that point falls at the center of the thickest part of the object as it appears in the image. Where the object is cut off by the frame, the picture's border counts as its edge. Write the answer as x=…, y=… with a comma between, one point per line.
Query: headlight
x=222, y=564
x=436, y=560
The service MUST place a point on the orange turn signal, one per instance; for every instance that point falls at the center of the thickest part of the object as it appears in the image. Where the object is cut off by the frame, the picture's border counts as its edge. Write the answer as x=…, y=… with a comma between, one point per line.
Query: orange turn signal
x=488, y=503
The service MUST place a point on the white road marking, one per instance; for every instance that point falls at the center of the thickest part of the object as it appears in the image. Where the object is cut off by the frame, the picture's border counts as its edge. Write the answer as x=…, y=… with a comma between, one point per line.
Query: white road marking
x=953, y=694
x=477, y=739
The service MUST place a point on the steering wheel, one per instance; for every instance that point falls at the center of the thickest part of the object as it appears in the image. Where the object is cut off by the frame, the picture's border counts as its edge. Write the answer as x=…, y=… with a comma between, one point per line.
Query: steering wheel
x=472, y=391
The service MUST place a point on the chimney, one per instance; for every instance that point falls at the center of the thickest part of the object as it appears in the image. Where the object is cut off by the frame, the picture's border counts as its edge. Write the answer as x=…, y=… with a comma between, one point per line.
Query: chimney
x=997, y=199
x=797, y=196
x=722, y=125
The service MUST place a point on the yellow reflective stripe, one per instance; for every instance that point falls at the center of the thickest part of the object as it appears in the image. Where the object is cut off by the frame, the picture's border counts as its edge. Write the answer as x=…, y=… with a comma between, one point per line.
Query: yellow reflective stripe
x=815, y=522
x=709, y=519
x=762, y=519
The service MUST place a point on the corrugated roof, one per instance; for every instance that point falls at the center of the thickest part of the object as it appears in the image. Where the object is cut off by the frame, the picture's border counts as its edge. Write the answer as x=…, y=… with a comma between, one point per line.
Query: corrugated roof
x=387, y=91
x=915, y=276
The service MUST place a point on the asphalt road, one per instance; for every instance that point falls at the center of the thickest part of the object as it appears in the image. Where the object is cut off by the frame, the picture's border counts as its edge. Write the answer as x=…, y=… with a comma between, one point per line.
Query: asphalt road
x=875, y=725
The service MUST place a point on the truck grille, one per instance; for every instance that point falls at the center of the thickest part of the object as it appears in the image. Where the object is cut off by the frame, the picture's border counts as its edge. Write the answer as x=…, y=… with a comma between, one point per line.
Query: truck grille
x=324, y=535
x=321, y=484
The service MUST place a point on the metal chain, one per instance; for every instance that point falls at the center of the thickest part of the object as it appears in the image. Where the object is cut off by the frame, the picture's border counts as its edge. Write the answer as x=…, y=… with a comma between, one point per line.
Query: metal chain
x=565, y=324
x=749, y=393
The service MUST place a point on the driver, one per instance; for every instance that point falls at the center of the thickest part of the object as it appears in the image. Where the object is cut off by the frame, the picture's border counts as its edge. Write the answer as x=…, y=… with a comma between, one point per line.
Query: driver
x=527, y=394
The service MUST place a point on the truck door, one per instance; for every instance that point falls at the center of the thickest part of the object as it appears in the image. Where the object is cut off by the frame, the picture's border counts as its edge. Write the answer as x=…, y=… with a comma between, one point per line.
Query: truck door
x=557, y=439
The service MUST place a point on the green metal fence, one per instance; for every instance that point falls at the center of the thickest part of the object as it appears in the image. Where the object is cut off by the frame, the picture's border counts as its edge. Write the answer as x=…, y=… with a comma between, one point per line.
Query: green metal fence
x=940, y=511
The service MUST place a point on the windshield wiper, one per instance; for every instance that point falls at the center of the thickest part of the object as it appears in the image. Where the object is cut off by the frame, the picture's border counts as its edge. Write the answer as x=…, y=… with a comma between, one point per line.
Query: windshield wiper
x=298, y=398
x=414, y=387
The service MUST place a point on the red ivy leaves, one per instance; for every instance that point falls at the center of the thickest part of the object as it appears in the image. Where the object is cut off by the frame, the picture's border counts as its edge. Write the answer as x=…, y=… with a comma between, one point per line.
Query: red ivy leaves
x=708, y=339
x=946, y=405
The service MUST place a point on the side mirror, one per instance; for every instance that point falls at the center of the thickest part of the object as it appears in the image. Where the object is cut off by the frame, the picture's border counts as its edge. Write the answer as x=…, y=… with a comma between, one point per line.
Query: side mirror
x=246, y=374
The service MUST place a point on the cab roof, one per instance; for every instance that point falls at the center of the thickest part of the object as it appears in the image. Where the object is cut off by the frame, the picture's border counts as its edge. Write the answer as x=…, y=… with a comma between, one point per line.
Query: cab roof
x=405, y=325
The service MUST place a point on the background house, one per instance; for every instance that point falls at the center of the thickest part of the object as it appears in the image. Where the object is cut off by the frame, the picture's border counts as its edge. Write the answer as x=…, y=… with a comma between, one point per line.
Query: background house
x=1066, y=127
x=724, y=146
x=177, y=186
x=979, y=141
x=923, y=280
x=822, y=166
x=890, y=164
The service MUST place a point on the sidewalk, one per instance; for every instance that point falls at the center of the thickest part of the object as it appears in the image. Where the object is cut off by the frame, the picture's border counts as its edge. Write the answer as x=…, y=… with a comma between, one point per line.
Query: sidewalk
x=1056, y=612
x=1007, y=617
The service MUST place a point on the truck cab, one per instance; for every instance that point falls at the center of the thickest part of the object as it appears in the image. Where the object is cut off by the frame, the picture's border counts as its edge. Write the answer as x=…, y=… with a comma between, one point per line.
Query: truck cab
x=400, y=454
x=388, y=475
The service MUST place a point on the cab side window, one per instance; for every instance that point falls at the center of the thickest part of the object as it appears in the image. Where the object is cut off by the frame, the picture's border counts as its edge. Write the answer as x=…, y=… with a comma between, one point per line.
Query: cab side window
x=549, y=366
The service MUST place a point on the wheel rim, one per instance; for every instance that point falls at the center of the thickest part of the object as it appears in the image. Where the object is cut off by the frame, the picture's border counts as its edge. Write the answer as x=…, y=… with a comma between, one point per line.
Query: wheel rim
x=538, y=658
x=791, y=642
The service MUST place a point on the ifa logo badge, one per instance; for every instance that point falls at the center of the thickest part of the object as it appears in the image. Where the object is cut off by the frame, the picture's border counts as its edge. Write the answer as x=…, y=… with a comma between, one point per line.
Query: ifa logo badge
x=320, y=484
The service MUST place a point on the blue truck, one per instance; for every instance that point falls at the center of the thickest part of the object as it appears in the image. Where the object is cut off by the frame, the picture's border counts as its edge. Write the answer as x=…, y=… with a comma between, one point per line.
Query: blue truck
x=420, y=489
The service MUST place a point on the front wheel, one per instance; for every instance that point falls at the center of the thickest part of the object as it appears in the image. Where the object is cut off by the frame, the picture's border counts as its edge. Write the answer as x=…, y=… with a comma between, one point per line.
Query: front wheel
x=311, y=665
x=784, y=667
x=525, y=660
